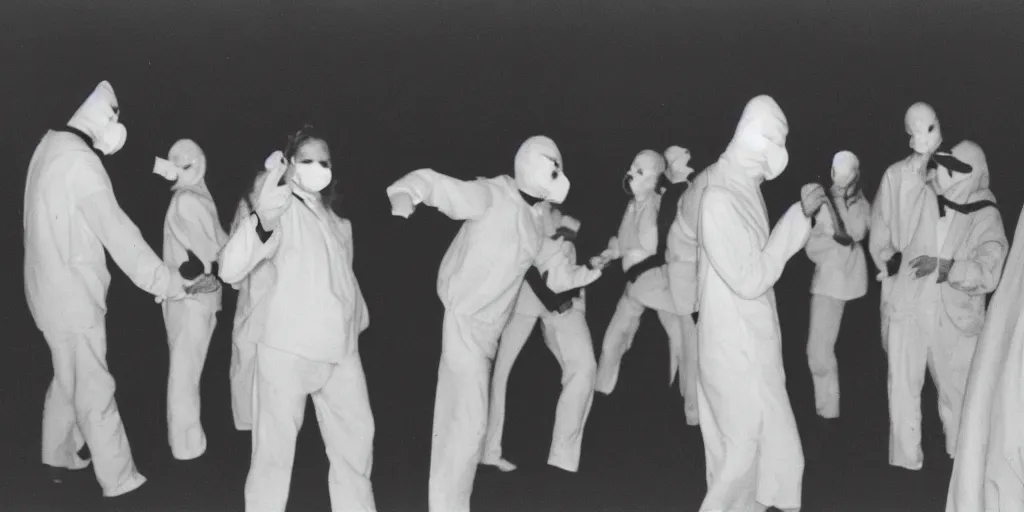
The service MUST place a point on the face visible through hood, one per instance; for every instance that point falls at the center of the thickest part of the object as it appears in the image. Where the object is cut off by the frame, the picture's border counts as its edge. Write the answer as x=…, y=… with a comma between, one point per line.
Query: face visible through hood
x=539, y=171
x=759, y=143
x=956, y=186
x=189, y=158
x=642, y=177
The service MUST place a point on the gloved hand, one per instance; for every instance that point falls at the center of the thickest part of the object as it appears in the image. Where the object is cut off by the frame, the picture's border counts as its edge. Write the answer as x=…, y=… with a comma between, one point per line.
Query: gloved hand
x=944, y=268
x=192, y=268
x=812, y=197
x=273, y=199
x=402, y=205
x=844, y=240
x=206, y=283
x=892, y=265
x=597, y=263
x=924, y=265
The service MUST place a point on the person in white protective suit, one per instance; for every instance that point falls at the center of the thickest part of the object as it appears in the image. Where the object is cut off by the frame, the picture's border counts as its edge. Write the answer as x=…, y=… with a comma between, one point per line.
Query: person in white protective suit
x=900, y=199
x=936, y=305
x=840, y=275
x=247, y=328
x=192, y=231
x=751, y=444
x=312, y=320
x=988, y=470
x=642, y=252
x=681, y=257
x=501, y=237
x=564, y=320
x=70, y=217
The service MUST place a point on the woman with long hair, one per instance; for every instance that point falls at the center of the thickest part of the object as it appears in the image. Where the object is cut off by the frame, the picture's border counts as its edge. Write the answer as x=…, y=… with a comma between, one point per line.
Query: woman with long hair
x=314, y=312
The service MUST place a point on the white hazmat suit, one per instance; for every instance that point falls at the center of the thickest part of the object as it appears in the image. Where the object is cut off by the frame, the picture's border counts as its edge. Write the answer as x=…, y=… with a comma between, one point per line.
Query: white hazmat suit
x=309, y=346
x=936, y=306
x=899, y=200
x=636, y=241
x=247, y=328
x=751, y=443
x=840, y=275
x=568, y=337
x=191, y=226
x=988, y=472
x=480, y=276
x=71, y=216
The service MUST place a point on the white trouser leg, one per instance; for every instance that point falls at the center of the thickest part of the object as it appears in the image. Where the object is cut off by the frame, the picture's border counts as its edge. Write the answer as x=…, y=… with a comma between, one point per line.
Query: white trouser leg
x=82, y=394
x=190, y=325
x=688, y=379
x=242, y=372
x=513, y=338
x=618, y=338
x=347, y=426
x=826, y=317
x=460, y=410
x=907, y=357
x=569, y=341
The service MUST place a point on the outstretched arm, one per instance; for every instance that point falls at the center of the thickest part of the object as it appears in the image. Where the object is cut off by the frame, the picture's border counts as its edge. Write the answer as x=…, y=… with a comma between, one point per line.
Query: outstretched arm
x=563, y=273
x=458, y=199
x=733, y=249
x=122, y=239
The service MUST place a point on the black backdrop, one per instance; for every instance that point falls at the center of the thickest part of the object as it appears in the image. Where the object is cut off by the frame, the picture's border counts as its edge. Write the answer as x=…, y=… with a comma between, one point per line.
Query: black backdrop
x=456, y=86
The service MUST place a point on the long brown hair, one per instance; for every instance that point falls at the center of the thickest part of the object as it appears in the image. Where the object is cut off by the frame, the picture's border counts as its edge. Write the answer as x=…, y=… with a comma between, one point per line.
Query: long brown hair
x=330, y=196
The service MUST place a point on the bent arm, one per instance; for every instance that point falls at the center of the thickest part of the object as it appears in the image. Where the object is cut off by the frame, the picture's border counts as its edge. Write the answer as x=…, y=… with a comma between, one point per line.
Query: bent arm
x=244, y=250
x=881, y=230
x=857, y=218
x=194, y=227
x=458, y=199
x=980, y=272
x=122, y=239
x=733, y=250
x=563, y=273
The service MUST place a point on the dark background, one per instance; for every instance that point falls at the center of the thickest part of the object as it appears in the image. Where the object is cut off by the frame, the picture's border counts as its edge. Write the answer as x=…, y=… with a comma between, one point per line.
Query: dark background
x=457, y=86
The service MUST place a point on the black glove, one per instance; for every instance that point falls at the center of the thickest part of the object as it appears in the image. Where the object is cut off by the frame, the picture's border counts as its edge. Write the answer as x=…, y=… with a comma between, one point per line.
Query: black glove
x=650, y=263
x=893, y=265
x=260, y=232
x=192, y=268
x=844, y=240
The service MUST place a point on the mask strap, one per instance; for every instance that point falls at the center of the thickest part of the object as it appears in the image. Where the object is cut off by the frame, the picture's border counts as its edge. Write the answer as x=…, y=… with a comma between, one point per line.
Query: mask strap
x=85, y=138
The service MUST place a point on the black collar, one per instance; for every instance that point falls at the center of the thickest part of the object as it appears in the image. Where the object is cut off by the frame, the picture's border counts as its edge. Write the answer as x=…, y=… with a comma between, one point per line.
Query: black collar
x=530, y=200
x=85, y=138
x=962, y=208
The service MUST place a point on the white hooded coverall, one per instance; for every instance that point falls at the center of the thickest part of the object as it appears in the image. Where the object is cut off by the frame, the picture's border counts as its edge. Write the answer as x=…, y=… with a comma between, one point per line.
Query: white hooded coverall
x=247, y=328
x=568, y=337
x=192, y=225
x=636, y=240
x=481, y=273
x=681, y=257
x=309, y=347
x=751, y=443
x=900, y=198
x=936, y=325
x=840, y=275
x=71, y=216
x=988, y=471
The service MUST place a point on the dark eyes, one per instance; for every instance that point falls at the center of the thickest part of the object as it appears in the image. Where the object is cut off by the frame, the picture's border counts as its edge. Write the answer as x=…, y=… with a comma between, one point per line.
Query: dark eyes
x=931, y=128
x=554, y=175
x=325, y=163
x=187, y=167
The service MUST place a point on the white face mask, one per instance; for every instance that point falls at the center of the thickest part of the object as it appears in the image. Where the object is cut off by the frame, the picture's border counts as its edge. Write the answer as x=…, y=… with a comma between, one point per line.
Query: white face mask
x=922, y=125
x=111, y=138
x=312, y=176
x=776, y=161
x=166, y=169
